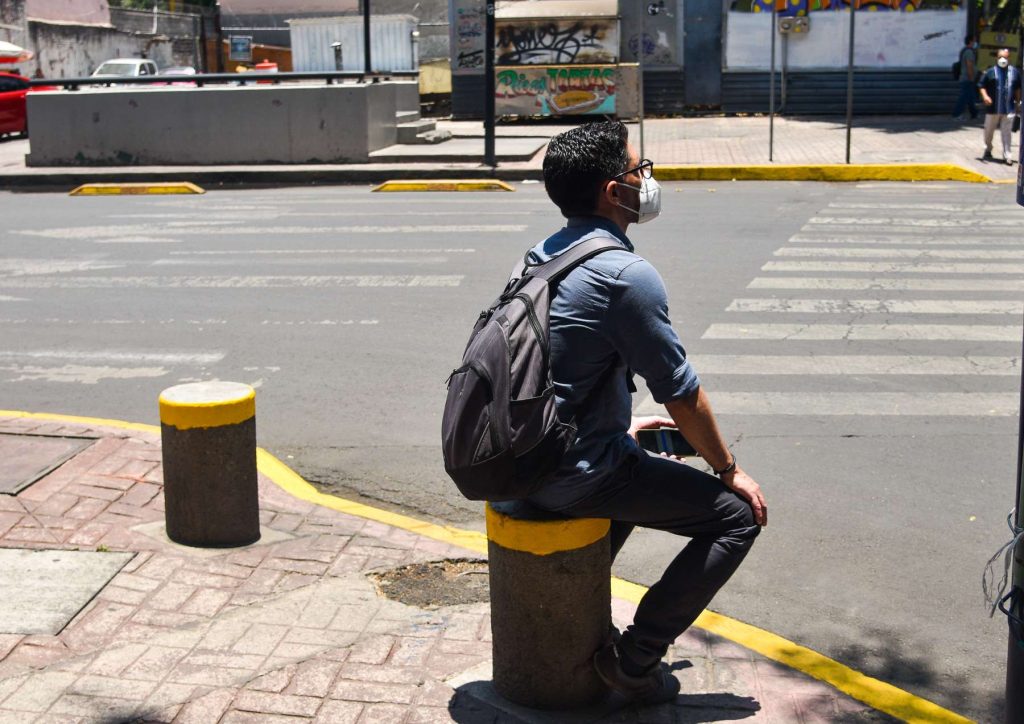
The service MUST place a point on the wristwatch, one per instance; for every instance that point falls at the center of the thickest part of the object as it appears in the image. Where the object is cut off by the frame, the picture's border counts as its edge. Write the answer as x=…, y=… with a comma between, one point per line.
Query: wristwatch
x=727, y=469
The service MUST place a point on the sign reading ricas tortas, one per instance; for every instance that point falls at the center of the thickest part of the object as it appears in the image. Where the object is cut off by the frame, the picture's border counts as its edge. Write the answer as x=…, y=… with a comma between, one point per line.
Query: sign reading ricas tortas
x=555, y=90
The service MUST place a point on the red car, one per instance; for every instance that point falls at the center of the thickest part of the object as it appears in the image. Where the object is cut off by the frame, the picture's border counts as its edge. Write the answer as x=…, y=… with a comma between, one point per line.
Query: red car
x=12, y=103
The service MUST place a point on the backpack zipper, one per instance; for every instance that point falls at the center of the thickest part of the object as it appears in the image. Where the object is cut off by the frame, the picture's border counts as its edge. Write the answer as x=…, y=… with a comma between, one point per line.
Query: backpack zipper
x=531, y=314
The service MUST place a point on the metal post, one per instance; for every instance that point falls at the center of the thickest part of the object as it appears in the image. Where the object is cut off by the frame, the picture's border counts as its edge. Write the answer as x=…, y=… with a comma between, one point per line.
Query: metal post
x=849, y=80
x=218, y=30
x=489, y=90
x=367, y=66
x=1014, y=652
x=640, y=77
x=771, y=88
x=785, y=62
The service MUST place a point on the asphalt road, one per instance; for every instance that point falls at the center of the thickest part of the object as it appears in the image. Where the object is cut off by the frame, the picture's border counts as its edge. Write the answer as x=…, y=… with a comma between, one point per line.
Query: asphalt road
x=860, y=342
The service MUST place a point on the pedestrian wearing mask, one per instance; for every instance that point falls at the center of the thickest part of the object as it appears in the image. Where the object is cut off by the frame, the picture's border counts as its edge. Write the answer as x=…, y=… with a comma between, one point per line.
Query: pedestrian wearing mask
x=967, y=80
x=608, y=320
x=1000, y=92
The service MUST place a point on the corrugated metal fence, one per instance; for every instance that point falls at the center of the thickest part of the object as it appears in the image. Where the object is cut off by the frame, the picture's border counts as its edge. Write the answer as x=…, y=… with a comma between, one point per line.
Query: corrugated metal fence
x=390, y=38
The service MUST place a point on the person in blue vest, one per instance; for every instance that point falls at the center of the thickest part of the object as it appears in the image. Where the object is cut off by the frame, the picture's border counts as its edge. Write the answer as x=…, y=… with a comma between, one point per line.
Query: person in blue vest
x=1000, y=92
x=967, y=81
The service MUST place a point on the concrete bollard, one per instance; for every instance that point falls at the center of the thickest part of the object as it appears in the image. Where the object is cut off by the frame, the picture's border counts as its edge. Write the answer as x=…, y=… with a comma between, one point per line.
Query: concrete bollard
x=550, y=604
x=208, y=433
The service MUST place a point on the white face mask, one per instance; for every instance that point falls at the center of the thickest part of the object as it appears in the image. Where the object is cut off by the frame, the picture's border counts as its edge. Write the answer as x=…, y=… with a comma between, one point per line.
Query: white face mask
x=1002, y=62
x=650, y=200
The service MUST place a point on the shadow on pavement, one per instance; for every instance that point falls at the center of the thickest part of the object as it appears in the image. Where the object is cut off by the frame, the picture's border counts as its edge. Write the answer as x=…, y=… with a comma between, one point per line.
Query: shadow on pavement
x=882, y=655
x=477, y=702
x=895, y=124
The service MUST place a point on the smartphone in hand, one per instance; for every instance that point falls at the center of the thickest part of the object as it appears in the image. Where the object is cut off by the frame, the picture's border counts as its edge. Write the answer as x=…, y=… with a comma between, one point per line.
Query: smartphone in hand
x=665, y=440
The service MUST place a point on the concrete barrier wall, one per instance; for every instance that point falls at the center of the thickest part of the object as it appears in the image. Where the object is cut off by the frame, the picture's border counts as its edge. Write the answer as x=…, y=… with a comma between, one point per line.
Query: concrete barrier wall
x=184, y=125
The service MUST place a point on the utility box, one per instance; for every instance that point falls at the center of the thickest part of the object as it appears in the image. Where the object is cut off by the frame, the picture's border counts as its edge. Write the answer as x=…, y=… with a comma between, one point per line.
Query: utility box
x=315, y=43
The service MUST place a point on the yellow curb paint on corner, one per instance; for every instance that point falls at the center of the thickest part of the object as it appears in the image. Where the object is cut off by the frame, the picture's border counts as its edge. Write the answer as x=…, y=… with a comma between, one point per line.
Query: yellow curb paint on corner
x=291, y=482
x=1004, y=181
x=445, y=185
x=822, y=172
x=135, y=188
x=91, y=421
x=186, y=415
x=873, y=692
x=542, y=538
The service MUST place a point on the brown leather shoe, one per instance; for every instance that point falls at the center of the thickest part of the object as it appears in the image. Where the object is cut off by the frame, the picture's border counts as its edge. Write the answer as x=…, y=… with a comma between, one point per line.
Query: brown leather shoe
x=657, y=686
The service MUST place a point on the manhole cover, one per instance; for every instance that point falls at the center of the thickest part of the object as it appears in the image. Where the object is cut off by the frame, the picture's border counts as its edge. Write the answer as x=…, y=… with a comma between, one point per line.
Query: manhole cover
x=26, y=458
x=434, y=584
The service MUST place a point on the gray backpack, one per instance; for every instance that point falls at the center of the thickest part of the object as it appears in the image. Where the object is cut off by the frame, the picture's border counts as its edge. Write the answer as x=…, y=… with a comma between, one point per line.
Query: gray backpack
x=500, y=433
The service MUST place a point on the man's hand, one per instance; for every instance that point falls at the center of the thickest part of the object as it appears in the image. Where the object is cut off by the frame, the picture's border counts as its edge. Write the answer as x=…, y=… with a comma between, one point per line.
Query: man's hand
x=748, y=489
x=648, y=423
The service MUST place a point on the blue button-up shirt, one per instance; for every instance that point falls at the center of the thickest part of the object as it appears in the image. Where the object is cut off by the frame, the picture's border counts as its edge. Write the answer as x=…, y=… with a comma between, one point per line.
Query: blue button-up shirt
x=609, y=316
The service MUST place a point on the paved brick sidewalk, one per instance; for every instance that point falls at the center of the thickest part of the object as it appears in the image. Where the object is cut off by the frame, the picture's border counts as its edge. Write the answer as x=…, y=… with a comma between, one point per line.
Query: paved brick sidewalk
x=291, y=629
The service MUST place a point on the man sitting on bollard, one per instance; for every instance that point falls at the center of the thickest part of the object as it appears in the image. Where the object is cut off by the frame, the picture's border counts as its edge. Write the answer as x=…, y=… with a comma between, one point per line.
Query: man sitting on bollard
x=608, y=320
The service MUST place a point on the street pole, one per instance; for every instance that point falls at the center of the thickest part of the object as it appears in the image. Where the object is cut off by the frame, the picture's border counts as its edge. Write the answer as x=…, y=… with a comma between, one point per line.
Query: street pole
x=849, y=80
x=1015, y=645
x=771, y=88
x=218, y=31
x=367, y=67
x=640, y=77
x=489, y=90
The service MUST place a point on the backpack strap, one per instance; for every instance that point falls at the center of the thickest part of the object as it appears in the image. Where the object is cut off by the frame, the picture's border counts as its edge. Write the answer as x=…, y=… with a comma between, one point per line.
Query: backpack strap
x=565, y=262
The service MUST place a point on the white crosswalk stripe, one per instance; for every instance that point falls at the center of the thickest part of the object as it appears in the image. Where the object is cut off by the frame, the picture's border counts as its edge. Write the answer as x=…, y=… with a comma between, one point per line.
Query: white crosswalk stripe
x=892, y=267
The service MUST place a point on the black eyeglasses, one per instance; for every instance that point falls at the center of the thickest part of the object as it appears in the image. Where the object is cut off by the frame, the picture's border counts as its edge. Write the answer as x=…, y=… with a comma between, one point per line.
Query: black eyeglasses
x=645, y=169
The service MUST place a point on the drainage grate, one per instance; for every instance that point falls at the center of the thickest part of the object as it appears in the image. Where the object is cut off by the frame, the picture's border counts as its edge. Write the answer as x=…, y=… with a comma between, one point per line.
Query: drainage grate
x=24, y=459
x=450, y=582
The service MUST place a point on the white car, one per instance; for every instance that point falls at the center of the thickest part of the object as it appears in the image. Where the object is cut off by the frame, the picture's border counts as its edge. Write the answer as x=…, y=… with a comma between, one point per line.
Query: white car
x=120, y=67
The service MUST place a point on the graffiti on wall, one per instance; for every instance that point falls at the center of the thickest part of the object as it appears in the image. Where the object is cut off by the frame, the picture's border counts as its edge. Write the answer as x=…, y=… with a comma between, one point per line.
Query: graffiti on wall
x=555, y=91
x=803, y=7
x=467, y=36
x=556, y=42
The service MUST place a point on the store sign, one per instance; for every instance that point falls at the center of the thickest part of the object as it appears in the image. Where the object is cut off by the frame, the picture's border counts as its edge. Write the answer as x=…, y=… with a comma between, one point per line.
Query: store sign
x=557, y=42
x=555, y=91
x=240, y=47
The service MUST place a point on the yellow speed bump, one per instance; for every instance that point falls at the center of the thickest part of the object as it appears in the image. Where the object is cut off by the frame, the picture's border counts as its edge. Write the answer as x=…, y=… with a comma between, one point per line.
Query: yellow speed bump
x=823, y=172
x=445, y=185
x=167, y=187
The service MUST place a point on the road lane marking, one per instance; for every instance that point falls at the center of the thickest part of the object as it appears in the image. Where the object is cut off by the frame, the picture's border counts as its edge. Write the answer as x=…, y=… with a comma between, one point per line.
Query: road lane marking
x=26, y=267
x=875, y=693
x=894, y=267
x=848, y=253
x=958, y=240
x=105, y=234
x=348, y=260
x=879, y=306
x=82, y=374
x=162, y=358
x=756, y=364
x=5, y=298
x=870, y=404
x=254, y=252
x=927, y=207
x=867, y=332
x=239, y=282
x=929, y=223
x=884, y=284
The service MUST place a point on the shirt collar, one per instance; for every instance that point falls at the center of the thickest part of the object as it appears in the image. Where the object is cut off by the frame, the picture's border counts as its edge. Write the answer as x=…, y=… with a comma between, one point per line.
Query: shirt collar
x=600, y=222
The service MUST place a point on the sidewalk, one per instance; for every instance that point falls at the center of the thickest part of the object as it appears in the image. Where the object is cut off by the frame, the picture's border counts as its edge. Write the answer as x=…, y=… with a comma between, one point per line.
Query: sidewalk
x=291, y=629
x=711, y=140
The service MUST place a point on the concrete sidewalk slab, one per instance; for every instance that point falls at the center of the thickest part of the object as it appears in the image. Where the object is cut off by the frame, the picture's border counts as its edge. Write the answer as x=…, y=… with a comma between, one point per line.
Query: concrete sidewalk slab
x=293, y=630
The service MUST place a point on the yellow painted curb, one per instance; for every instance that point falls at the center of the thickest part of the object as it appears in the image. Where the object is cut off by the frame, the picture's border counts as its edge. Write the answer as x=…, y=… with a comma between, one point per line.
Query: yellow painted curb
x=542, y=538
x=125, y=189
x=236, y=404
x=445, y=185
x=873, y=692
x=822, y=172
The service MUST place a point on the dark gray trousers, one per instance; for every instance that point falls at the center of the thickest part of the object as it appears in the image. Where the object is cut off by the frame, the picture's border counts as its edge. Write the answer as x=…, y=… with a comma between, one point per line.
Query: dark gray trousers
x=656, y=492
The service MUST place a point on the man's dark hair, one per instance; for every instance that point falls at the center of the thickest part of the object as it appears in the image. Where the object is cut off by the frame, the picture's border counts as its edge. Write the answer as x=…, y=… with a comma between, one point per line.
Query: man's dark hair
x=969, y=40
x=579, y=161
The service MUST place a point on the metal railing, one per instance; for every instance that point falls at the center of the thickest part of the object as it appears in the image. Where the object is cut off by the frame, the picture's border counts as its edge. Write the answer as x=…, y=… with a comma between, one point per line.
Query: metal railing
x=201, y=79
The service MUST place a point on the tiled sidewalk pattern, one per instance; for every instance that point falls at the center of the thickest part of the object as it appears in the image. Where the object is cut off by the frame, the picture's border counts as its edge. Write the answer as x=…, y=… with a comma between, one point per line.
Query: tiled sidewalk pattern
x=290, y=631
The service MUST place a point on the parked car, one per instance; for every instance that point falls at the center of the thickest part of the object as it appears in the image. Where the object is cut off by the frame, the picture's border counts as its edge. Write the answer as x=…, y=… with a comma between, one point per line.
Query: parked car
x=13, y=89
x=121, y=67
x=179, y=71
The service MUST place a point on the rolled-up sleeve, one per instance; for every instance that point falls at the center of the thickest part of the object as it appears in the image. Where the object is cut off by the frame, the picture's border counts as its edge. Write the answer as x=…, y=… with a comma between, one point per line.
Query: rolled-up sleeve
x=640, y=329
